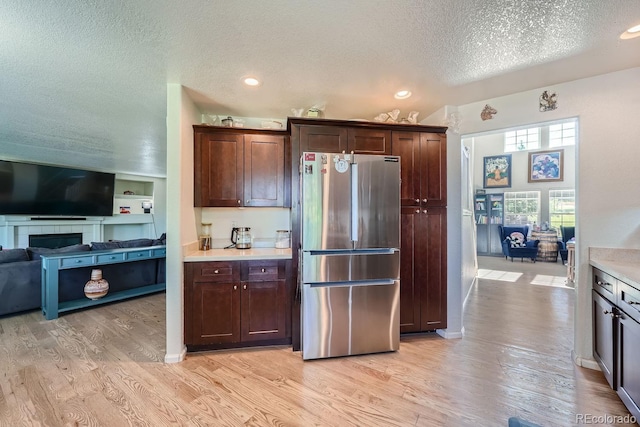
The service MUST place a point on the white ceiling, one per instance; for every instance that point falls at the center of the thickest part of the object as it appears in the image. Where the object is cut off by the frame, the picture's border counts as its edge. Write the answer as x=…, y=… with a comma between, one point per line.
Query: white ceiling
x=83, y=83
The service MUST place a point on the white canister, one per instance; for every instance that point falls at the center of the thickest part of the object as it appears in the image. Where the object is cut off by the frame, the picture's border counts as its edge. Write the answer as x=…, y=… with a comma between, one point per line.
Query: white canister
x=283, y=239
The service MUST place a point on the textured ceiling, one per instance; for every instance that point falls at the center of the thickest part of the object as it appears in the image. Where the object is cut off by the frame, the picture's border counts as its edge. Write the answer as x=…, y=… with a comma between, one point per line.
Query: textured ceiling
x=83, y=83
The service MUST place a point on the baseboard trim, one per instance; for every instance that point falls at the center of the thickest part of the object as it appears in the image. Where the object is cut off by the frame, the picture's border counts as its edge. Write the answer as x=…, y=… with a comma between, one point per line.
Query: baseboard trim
x=449, y=334
x=585, y=363
x=176, y=358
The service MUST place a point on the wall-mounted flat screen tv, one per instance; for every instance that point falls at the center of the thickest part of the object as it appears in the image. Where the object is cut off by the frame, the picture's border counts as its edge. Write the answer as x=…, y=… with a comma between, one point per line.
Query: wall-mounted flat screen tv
x=31, y=189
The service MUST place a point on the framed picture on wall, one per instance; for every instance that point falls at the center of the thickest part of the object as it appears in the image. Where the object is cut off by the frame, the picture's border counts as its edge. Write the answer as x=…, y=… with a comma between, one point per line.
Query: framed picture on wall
x=546, y=166
x=497, y=171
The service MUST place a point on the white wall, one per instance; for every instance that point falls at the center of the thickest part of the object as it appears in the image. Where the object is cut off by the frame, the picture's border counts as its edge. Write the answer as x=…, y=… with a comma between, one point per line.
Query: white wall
x=181, y=217
x=607, y=203
x=263, y=223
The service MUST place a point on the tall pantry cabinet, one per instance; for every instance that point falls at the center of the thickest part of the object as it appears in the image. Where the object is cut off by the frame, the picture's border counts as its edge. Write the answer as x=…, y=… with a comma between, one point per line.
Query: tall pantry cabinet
x=423, y=251
x=423, y=277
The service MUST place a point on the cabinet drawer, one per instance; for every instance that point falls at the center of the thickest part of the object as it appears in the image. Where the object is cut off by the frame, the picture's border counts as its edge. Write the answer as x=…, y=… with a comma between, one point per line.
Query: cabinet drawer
x=159, y=252
x=138, y=254
x=604, y=284
x=75, y=261
x=260, y=270
x=629, y=300
x=110, y=257
x=215, y=271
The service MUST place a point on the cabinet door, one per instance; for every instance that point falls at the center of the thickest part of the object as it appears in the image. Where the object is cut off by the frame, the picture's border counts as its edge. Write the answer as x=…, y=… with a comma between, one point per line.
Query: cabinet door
x=482, y=239
x=423, y=274
x=433, y=169
x=218, y=169
x=368, y=141
x=410, y=244
x=215, y=313
x=263, y=170
x=407, y=146
x=212, y=302
x=495, y=245
x=264, y=308
x=431, y=269
x=628, y=380
x=323, y=139
x=603, y=337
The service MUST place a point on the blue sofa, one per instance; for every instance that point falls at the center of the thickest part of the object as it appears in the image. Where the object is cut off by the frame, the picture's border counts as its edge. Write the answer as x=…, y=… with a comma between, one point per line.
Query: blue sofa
x=515, y=243
x=21, y=275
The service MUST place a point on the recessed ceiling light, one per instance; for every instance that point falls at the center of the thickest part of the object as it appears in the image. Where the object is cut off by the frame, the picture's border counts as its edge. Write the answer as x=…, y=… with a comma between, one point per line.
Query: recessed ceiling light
x=631, y=33
x=402, y=94
x=251, y=81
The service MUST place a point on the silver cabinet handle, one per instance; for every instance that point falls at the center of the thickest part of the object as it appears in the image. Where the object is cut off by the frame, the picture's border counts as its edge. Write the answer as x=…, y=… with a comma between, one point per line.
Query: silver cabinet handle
x=263, y=270
x=424, y=211
x=601, y=283
x=235, y=287
x=424, y=200
x=633, y=302
x=417, y=200
x=244, y=287
x=247, y=202
x=239, y=201
x=216, y=271
x=417, y=210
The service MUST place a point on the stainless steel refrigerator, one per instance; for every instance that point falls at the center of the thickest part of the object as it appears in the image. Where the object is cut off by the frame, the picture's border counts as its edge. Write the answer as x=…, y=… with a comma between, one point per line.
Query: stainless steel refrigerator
x=350, y=257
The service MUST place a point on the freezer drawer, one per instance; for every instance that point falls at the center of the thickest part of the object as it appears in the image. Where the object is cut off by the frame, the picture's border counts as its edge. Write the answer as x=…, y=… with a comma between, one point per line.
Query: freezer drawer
x=343, y=320
x=343, y=266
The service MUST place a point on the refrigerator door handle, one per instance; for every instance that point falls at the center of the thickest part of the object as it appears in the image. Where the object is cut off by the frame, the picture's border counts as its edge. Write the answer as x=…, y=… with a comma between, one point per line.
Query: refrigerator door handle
x=354, y=202
x=350, y=283
x=329, y=252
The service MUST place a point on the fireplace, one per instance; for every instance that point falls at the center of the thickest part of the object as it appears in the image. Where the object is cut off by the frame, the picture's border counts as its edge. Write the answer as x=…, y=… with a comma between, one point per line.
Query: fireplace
x=54, y=241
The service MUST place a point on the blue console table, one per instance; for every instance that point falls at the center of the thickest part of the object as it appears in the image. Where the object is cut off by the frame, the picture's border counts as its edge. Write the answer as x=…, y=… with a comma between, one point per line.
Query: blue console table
x=52, y=264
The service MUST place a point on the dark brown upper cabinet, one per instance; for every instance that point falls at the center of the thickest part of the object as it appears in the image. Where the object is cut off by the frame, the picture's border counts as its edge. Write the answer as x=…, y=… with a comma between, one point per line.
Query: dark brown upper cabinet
x=240, y=167
x=423, y=158
x=336, y=139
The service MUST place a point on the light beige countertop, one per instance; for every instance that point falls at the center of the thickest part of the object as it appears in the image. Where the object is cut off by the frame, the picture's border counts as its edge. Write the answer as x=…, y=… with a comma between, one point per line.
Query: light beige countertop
x=233, y=254
x=623, y=264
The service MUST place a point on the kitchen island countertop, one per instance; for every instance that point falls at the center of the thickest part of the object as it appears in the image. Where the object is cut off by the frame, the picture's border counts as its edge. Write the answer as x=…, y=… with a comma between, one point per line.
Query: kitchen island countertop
x=238, y=254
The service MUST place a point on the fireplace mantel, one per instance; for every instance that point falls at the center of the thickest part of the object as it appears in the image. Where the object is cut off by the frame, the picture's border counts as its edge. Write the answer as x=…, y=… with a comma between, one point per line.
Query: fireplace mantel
x=15, y=230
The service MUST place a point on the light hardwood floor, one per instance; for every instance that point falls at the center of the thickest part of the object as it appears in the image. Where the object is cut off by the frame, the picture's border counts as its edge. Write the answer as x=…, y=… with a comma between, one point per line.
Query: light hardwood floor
x=104, y=367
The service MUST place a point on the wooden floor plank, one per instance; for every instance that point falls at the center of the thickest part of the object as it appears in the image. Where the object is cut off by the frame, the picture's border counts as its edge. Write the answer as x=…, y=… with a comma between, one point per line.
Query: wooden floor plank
x=104, y=366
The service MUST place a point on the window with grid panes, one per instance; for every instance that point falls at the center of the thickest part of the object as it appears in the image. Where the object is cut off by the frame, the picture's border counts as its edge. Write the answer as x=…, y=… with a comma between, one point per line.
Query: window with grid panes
x=521, y=207
x=562, y=208
x=522, y=139
x=562, y=134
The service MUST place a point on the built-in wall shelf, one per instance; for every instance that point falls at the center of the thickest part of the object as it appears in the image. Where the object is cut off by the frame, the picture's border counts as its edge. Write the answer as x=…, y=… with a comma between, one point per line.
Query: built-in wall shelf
x=141, y=189
x=142, y=192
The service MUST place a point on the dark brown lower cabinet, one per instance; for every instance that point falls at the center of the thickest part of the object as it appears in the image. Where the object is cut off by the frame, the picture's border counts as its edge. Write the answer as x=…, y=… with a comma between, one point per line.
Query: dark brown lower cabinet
x=603, y=336
x=423, y=264
x=629, y=363
x=616, y=336
x=236, y=303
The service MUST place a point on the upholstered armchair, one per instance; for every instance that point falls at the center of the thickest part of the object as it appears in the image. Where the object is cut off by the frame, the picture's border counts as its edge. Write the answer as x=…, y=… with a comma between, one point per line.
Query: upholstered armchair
x=515, y=243
x=568, y=233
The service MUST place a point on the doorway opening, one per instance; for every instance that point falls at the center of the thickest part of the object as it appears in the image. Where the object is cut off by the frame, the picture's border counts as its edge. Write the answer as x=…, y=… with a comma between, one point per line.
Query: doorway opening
x=524, y=177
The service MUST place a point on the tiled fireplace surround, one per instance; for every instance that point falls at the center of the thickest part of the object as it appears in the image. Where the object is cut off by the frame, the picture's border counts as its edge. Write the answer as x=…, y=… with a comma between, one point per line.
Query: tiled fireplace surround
x=15, y=231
